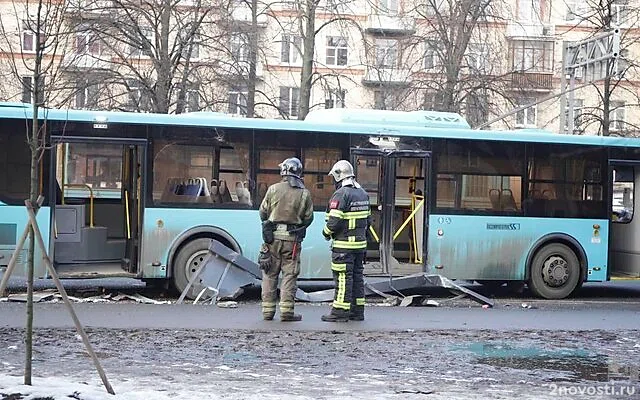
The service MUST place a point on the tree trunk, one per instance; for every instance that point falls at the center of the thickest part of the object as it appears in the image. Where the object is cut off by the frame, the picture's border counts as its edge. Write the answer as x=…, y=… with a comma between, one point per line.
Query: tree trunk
x=163, y=83
x=253, y=60
x=309, y=38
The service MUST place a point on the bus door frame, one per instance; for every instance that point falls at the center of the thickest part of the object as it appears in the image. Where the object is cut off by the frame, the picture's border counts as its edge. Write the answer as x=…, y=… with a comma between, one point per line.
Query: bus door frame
x=143, y=146
x=386, y=199
x=612, y=163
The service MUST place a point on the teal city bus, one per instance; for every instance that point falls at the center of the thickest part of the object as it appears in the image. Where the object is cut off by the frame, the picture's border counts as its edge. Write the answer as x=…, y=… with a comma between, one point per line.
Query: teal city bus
x=141, y=195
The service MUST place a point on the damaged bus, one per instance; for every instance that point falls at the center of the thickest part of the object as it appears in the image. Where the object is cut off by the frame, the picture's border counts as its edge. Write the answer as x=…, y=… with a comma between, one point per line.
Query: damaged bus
x=141, y=195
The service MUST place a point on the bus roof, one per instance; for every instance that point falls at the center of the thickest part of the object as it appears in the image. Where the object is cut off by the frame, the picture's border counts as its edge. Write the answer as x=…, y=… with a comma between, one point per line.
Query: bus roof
x=367, y=122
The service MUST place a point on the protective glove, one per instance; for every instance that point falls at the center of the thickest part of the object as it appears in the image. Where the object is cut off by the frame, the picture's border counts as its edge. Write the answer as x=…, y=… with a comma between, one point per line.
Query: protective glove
x=264, y=258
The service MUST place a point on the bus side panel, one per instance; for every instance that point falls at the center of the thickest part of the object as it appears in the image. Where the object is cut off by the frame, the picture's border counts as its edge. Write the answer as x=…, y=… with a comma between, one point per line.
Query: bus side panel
x=484, y=247
x=162, y=226
x=13, y=221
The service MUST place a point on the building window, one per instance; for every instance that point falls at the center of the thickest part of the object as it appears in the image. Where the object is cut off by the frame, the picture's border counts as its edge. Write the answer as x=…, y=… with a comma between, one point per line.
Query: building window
x=289, y=101
x=336, y=51
x=291, y=49
x=29, y=37
x=388, y=6
x=145, y=42
x=526, y=118
x=87, y=92
x=27, y=88
x=616, y=115
x=430, y=55
x=433, y=100
x=238, y=102
x=190, y=43
x=529, y=10
x=477, y=57
x=240, y=47
x=574, y=9
x=335, y=98
x=532, y=55
x=620, y=12
x=386, y=53
x=578, y=104
x=138, y=97
x=87, y=43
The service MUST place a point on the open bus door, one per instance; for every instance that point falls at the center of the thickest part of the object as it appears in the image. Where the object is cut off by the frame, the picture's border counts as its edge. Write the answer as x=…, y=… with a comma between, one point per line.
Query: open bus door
x=98, y=206
x=397, y=186
x=624, y=242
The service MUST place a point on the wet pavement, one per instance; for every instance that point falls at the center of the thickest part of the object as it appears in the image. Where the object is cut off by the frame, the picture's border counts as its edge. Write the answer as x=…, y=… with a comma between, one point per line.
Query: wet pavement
x=586, y=347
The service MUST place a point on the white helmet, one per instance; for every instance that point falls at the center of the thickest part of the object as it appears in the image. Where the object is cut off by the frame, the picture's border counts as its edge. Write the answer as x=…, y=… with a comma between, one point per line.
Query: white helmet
x=341, y=170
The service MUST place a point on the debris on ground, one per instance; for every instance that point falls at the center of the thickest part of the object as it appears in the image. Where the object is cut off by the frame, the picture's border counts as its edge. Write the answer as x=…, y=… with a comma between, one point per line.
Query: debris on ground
x=53, y=296
x=227, y=304
x=415, y=391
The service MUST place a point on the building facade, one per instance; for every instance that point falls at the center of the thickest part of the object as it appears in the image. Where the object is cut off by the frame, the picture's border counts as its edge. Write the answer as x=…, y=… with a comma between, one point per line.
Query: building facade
x=247, y=58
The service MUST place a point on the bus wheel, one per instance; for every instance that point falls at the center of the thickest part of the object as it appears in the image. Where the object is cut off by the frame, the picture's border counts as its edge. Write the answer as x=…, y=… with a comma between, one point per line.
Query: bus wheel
x=187, y=262
x=555, y=272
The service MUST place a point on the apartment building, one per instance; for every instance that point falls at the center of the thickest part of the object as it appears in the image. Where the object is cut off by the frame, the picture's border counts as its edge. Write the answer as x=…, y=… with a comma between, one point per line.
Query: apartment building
x=479, y=58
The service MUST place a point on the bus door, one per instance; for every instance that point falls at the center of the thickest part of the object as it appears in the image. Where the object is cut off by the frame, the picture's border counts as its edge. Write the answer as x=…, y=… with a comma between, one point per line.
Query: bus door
x=97, y=187
x=395, y=181
x=624, y=244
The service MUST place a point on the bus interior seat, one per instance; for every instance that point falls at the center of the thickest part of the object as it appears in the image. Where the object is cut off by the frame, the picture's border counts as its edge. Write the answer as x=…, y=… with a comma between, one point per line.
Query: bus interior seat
x=243, y=193
x=215, y=191
x=535, y=194
x=494, y=196
x=262, y=190
x=548, y=194
x=507, y=201
x=225, y=194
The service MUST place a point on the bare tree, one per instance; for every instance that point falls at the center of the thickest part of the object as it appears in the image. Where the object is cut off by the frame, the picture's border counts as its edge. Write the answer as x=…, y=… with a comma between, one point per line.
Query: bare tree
x=459, y=56
x=618, y=91
x=154, y=51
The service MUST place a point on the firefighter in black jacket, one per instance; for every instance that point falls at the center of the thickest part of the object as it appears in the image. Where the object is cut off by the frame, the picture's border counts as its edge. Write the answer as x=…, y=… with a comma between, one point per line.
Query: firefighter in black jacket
x=347, y=223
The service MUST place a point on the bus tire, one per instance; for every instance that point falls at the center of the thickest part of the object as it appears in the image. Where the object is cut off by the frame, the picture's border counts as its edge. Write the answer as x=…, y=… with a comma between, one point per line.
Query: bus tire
x=554, y=272
x=187, y=262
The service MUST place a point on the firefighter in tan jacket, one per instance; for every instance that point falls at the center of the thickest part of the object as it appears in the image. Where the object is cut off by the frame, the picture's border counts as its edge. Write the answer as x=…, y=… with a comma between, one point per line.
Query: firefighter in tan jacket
x=286, y=212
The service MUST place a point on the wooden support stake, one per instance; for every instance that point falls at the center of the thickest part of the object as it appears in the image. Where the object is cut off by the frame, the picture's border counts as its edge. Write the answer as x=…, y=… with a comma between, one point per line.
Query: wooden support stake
x=14, y=256
x=65, y=298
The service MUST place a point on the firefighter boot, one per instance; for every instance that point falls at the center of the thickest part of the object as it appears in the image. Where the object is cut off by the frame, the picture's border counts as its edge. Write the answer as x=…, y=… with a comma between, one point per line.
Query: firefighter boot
x=357, y=313
x=290, y=317
x=336, y=315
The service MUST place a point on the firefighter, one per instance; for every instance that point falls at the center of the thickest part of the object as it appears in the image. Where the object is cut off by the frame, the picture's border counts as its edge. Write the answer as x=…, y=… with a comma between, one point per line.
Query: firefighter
x=347, y=223
x=286, y=212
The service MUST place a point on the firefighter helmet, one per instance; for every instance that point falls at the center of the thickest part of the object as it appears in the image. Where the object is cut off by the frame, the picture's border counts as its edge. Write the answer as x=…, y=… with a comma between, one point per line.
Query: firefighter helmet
x=291, y=167
x=341, y=170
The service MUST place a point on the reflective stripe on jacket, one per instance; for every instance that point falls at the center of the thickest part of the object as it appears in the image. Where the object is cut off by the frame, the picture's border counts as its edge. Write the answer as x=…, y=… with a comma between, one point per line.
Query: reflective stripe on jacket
x=347, y=219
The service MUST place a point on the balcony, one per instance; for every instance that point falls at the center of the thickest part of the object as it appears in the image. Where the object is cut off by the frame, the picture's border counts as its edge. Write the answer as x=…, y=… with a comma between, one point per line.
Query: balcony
x=530, y=30
x=390, y=24
x=538, y=81
x=89, y=7
x=85, y=62
x=385, y=76
x=242, y=14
